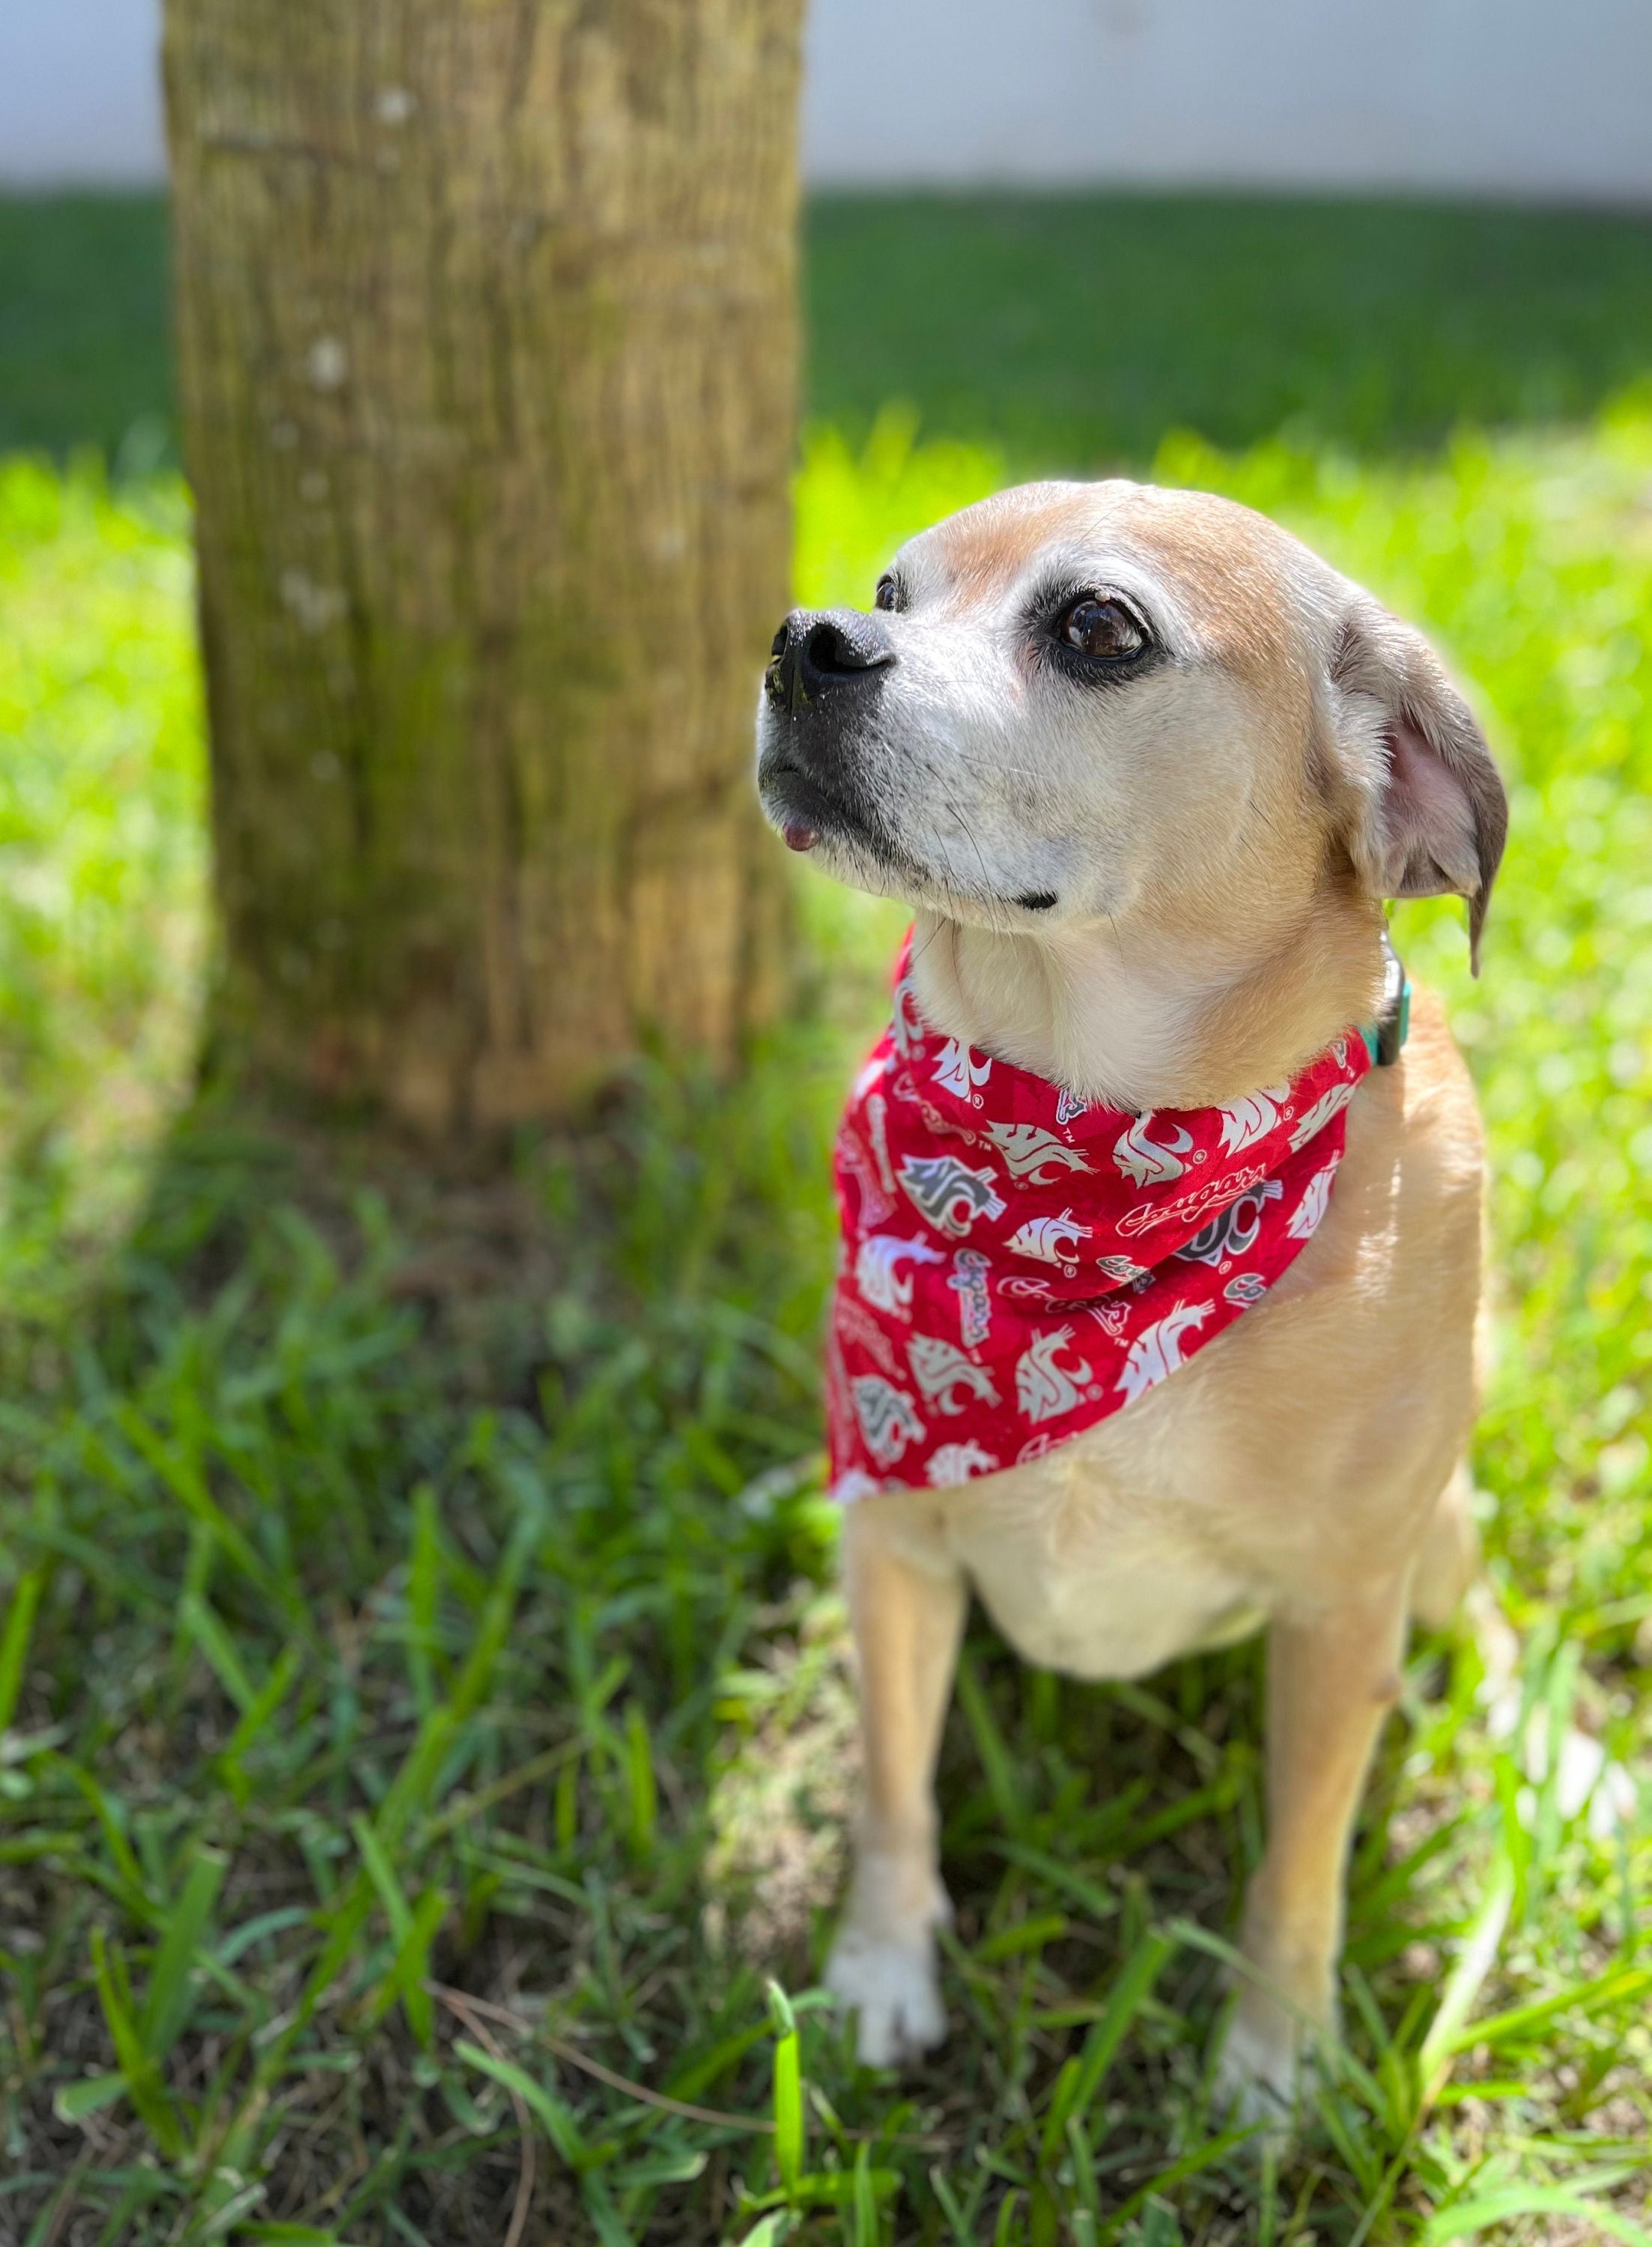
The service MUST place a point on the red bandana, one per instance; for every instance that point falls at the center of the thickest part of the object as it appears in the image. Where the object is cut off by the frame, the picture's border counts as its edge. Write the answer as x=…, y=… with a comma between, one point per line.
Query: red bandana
x=1017, y=1264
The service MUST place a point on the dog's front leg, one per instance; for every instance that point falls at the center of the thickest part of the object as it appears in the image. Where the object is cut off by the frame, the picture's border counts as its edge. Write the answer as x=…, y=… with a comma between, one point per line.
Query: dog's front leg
x=1331, y=1680
x=907, y=1616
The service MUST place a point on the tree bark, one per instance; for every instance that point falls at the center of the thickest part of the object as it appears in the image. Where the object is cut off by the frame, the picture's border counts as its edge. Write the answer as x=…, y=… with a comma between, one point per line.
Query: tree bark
x=487, y=357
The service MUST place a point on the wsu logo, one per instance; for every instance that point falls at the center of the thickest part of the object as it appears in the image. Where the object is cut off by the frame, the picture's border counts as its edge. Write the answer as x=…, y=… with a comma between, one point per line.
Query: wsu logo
x=956, y=1070
x=1051, y=1240
x=1252, y=1118
x=1028, y=1147
x=1145, y=1163
x=1328, y=1104
x=907, y=1027
x=950, y=1463
x=940, y=1368
x=948, y=1194
x=1305, y=1218
x=1156, y=1350
x=888, y=1422
x=875, y=1204
x=1044, y=1388
x=877, y=1275
x=877, y=1124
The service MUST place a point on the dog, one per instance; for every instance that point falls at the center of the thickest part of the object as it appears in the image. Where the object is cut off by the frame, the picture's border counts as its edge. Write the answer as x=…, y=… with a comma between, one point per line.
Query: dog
x=1146, y=769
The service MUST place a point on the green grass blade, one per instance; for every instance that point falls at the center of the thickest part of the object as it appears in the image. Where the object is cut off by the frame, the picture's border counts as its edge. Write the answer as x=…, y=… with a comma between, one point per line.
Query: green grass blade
x=72, y=2102
x=203, y=1627
x=555, y=2119
x=868, y=2229
x=770, y=2230
x=410, y=1969
x=14, y=1639
x=168, y=2001
x=1131, y=1987
x=138, y=2067
x=264, y=1704
x=1474, y=1963
x=382, y=1874
x=1496, y=2209
x=639, y=1770
x=997, y=1763
x=788, y=2110
x=183, y=1478
x=424, y=1592
x=1201, y=2157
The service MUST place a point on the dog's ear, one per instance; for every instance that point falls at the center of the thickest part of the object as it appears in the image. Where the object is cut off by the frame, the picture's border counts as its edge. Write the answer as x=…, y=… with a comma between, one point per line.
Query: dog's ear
x=1430, y=815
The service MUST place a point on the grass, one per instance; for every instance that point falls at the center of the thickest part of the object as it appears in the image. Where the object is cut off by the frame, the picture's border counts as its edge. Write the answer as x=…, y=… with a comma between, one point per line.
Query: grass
x=424, y=1697
x=1078, y=331
x=86, y=355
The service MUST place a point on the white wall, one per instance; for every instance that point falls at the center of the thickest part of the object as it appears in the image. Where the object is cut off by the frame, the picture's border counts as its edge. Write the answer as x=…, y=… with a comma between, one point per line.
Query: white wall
x=80, y=92
x=1484, y=96
x=1520, y=97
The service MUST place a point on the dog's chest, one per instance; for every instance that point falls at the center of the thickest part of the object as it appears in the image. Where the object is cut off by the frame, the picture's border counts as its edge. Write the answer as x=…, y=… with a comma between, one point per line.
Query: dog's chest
x=1100, y=1589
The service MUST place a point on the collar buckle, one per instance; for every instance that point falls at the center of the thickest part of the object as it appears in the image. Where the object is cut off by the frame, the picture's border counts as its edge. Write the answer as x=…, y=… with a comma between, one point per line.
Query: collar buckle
x=1385, y=1038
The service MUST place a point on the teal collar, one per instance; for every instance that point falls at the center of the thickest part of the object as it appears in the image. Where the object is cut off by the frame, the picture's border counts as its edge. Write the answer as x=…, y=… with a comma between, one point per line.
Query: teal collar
x=1386, y=1036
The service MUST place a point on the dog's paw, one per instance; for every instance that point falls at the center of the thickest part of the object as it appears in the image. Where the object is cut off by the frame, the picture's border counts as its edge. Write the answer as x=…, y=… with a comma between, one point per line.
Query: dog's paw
x=1263, y=2067
x=893, y=1988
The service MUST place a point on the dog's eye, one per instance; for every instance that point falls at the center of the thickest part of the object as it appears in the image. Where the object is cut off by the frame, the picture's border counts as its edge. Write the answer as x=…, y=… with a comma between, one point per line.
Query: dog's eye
x=888, y=593
x=1103, y=630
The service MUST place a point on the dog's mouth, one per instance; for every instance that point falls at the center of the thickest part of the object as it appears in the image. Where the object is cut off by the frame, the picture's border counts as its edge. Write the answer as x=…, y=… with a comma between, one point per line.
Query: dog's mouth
x=808, y=811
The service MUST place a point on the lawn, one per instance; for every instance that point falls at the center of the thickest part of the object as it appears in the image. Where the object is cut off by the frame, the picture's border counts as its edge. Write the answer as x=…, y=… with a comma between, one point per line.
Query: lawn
x=428, y=1710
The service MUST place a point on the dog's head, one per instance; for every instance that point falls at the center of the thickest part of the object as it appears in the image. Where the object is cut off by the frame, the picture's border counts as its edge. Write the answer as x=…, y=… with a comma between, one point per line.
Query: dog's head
x=1083, y=702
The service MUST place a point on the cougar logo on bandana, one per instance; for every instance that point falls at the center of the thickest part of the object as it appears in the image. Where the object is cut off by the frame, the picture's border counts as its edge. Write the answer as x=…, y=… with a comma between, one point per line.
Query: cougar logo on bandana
x=1026, y=1148
x=1052, y=1239
x=957, y=1069
x=878, y=1132
x=1156, y=1351
x=1086, y=1223
x=1248, y=1119
x=877, y=1273
x=1045, y=1388
x=956, y=1463
x=940, y=1367
x=875, y=1203
x=1145, y=1165
x=1305, y=1218
x=1328, y=1104
x=887, y=1421
x=948, y=1193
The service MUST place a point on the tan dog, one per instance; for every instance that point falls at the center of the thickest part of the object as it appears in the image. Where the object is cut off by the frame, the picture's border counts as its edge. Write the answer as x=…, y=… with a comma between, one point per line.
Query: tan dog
x=1147, y=769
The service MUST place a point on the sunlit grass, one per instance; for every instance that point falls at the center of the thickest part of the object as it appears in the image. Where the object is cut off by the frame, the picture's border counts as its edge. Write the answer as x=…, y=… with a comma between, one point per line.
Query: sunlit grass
x=356, y=1657
x=101, y=852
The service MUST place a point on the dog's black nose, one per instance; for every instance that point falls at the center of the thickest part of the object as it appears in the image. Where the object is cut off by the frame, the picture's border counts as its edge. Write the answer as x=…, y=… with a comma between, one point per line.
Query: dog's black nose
x=818, y=652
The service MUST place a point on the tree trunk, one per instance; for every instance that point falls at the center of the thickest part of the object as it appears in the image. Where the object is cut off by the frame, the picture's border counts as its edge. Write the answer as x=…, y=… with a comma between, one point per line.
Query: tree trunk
x=487, y=355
